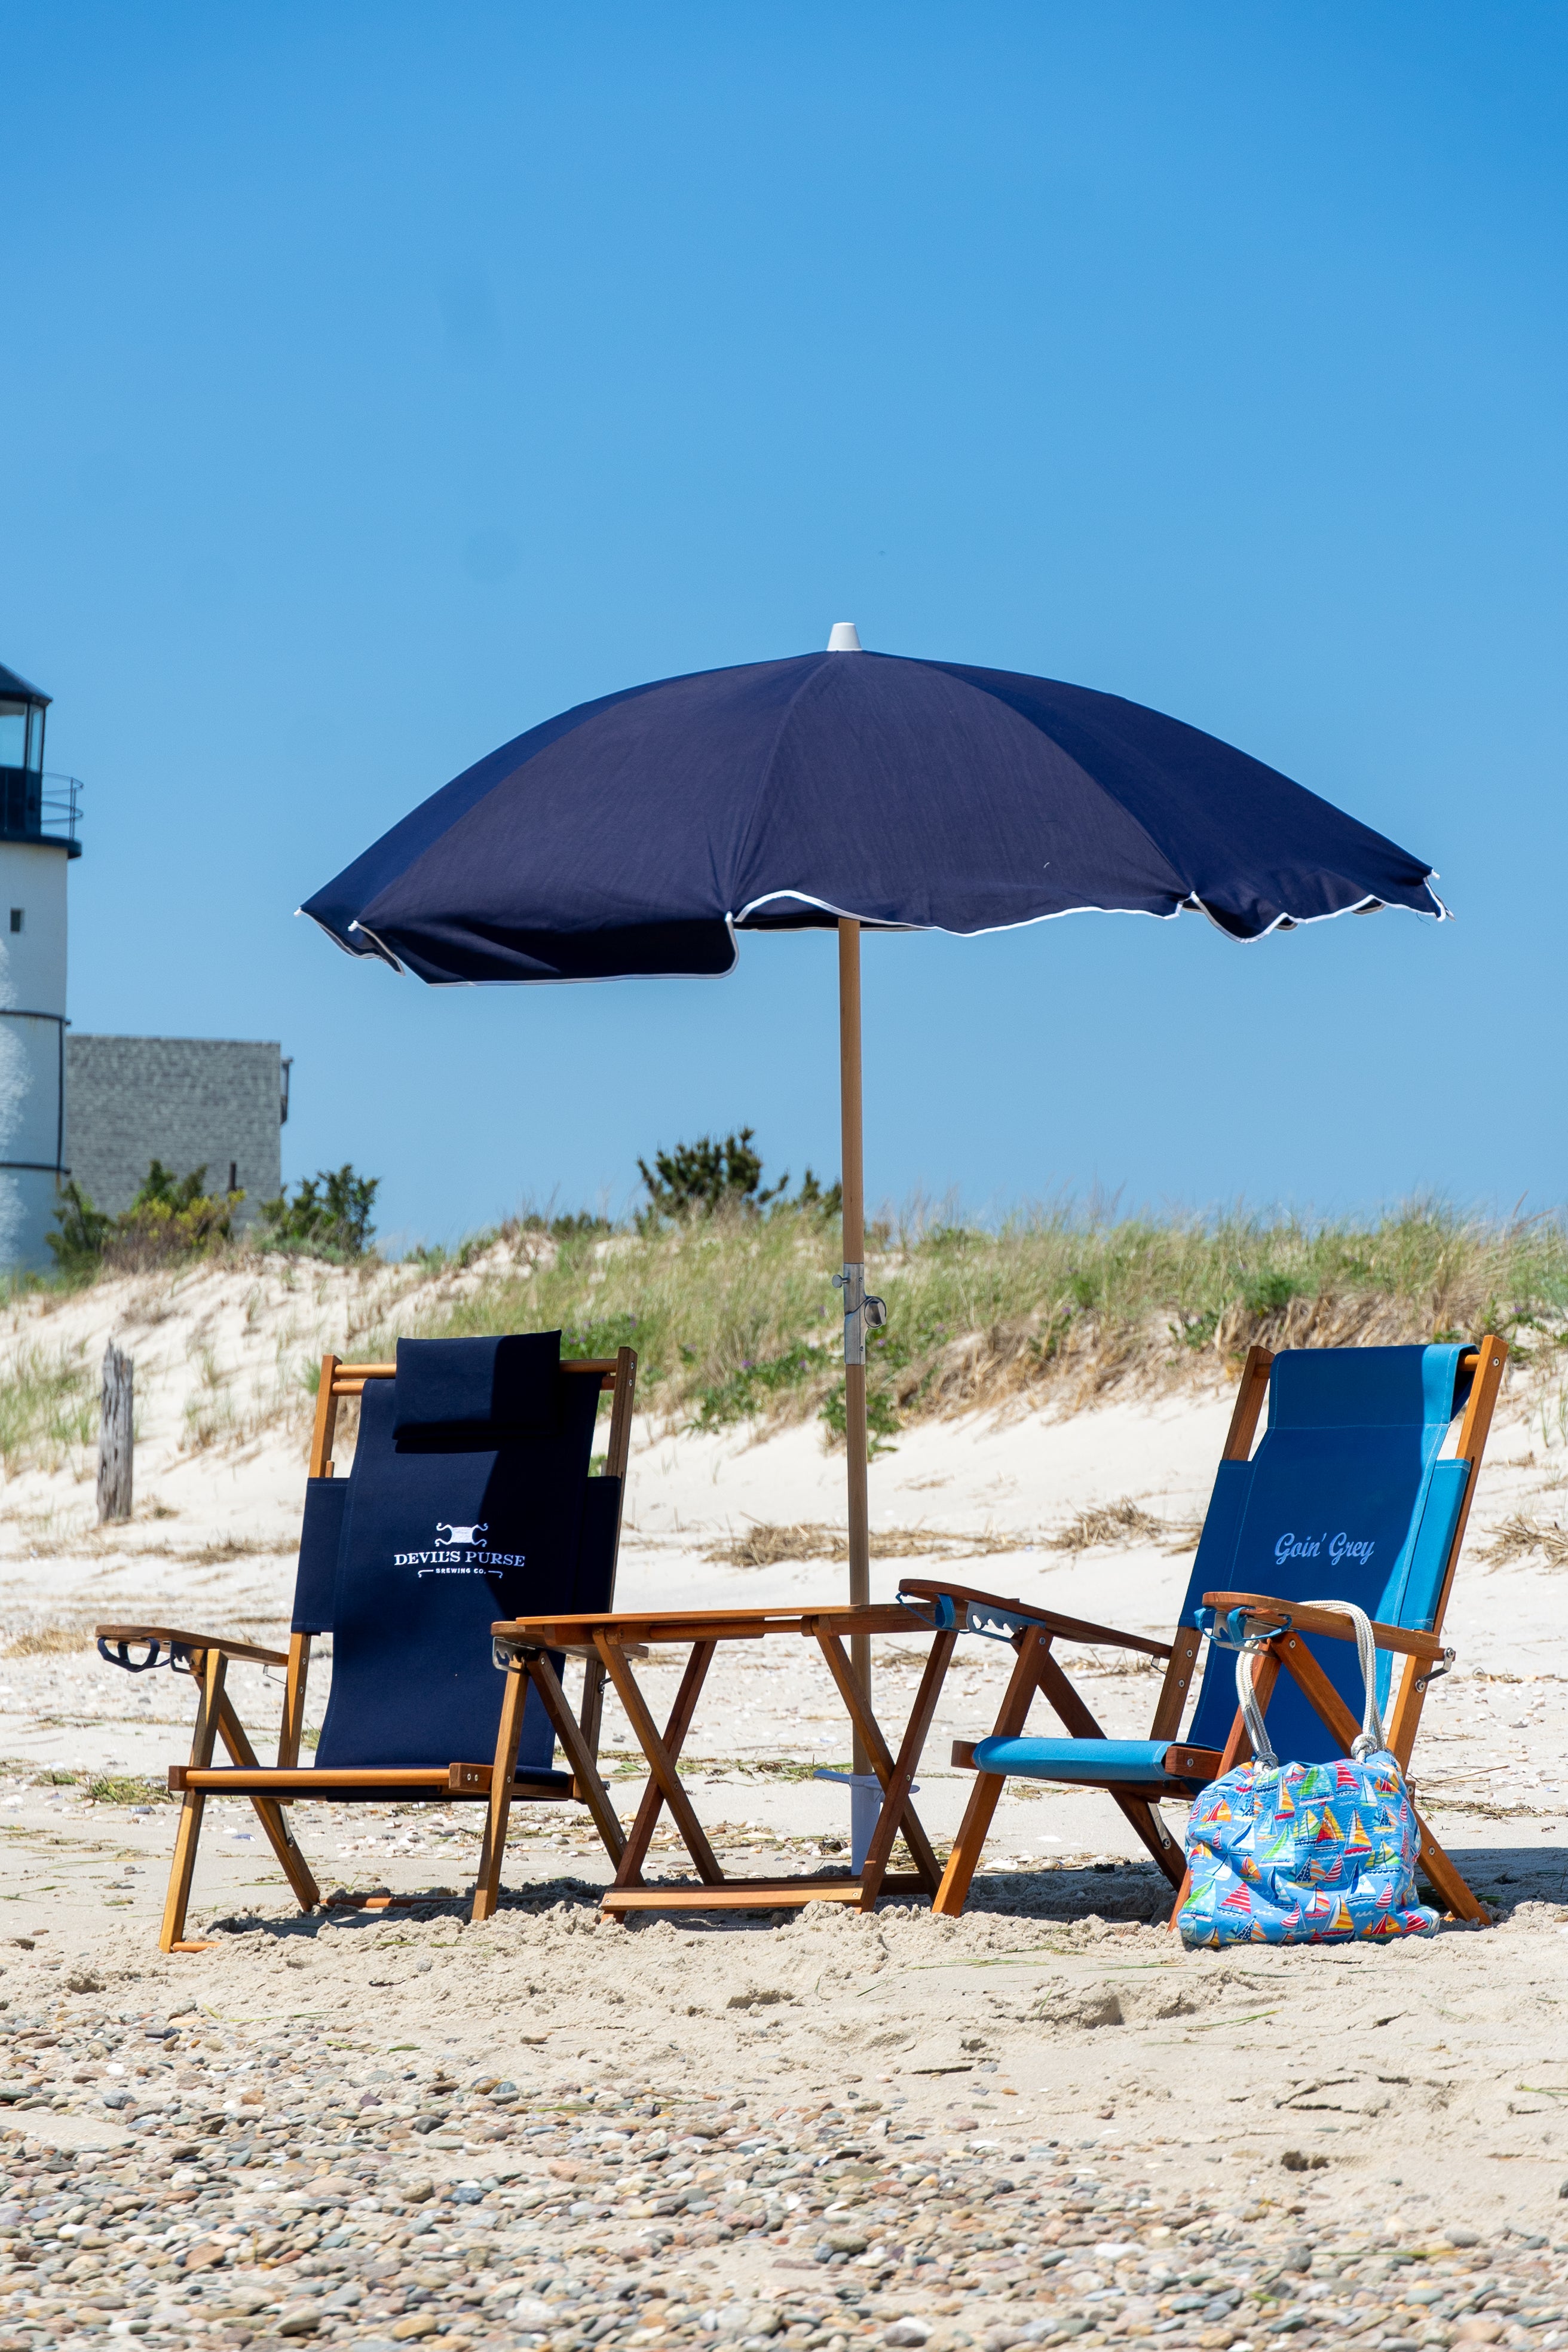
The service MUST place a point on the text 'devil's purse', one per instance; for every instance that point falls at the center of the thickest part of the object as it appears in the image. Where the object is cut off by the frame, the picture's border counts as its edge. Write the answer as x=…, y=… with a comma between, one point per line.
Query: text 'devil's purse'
x=1305, y=1853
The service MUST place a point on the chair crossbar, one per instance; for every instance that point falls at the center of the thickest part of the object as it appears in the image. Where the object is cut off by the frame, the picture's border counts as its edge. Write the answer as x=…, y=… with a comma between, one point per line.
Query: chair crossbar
x=459, y=1784
x=349, y=1380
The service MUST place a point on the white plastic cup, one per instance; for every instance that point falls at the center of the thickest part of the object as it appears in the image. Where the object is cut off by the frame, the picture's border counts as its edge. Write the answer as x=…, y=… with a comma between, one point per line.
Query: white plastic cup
x=865, y=1805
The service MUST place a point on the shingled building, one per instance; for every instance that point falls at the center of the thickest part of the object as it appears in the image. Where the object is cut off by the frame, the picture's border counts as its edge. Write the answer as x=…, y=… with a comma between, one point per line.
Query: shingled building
x=215, y=1103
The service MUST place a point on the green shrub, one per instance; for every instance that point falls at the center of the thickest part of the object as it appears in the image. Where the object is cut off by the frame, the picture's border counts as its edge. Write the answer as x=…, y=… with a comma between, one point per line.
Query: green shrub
x=599, y=1335
x=172, y=1217
x=702, y=1178
x=753, y=1386
x=329, y=1215
x=78, y=1247
x=695, y=1178
x=882, y=1421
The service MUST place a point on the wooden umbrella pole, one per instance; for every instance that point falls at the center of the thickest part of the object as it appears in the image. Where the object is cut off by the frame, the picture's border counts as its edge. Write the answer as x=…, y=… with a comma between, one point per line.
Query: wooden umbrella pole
x=854, y=1184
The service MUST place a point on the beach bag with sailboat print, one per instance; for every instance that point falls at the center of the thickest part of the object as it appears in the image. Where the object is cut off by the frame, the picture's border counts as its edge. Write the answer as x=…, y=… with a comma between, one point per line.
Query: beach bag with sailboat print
x=1305, y=1853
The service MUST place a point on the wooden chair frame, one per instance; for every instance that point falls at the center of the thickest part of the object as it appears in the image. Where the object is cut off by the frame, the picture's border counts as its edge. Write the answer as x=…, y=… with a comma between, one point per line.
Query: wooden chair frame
x=271, y=1787
x=1037, y=1670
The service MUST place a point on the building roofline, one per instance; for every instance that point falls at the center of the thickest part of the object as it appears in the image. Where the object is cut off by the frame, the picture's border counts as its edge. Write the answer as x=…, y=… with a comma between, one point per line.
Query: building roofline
x=120, y=1037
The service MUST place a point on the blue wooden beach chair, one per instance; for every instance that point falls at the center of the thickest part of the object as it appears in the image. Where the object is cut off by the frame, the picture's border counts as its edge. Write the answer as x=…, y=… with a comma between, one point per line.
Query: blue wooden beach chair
x=471, y=1498
x=1352, y=1493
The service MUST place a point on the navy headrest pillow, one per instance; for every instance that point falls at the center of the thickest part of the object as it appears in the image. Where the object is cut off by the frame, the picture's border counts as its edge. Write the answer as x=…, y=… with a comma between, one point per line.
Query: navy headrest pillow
x=510, y=1384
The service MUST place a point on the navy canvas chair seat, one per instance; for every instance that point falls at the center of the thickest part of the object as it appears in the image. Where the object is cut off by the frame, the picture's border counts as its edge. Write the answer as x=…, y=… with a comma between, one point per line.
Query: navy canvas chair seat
x=1358, y=1491
x=471, y=1498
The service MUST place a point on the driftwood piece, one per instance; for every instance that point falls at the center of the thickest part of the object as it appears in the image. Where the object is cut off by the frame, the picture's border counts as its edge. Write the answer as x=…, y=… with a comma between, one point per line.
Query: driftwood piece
x=114, y=1437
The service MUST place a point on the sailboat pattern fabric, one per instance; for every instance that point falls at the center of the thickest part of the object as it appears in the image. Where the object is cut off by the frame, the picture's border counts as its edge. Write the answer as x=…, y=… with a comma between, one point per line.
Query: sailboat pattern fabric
x=1304, y=1854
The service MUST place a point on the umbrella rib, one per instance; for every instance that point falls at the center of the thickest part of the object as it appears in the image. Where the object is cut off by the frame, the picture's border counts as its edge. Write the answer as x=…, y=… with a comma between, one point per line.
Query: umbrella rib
x=1190, y=897
x=767, y=769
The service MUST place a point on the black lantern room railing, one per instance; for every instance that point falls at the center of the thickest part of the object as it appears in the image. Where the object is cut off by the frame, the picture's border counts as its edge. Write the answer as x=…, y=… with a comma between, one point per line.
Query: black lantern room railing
x=35, y=804
x=38, y=805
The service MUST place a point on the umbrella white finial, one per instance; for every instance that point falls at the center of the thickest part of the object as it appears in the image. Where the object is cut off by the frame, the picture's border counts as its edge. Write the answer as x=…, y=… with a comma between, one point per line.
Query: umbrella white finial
x=845, y=638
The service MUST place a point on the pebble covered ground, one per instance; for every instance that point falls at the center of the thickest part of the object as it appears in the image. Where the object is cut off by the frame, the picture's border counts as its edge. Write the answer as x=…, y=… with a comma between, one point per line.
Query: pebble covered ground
x=289, y=2179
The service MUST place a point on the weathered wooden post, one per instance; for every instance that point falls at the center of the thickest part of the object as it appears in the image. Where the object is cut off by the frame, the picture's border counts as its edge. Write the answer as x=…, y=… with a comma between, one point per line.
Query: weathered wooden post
x=114, y=1436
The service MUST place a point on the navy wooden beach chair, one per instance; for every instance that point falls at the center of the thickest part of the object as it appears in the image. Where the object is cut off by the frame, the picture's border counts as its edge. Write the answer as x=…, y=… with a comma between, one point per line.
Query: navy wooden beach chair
x=472, y=1497
x=1352, y=1495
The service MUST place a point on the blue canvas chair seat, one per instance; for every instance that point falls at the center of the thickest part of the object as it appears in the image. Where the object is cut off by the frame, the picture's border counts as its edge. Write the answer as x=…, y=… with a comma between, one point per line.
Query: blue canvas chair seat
x=470, y=1498
x=1354, y=1493
x=1098, y=1763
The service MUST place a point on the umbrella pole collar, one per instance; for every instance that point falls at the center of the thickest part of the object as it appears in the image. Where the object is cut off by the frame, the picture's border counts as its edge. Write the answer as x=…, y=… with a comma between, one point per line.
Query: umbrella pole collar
x=852, y=1283
x=860, y=1309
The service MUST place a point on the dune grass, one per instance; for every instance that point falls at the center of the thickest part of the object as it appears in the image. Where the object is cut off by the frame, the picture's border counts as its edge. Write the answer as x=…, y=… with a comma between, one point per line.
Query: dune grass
x=49, y=1642
x=46, y=1407
x=128, y=1788
x=735, y=1320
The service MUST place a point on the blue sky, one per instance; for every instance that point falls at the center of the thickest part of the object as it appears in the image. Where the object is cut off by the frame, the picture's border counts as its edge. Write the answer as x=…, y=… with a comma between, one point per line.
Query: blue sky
x=383, y=379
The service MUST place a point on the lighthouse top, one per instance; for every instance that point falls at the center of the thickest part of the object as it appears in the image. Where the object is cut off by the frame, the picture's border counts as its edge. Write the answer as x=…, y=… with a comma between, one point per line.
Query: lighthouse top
x=16, y=689
x=34, y=807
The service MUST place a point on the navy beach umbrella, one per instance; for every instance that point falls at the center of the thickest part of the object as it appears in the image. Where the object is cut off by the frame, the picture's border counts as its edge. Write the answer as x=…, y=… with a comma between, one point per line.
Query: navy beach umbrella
x=642, y=832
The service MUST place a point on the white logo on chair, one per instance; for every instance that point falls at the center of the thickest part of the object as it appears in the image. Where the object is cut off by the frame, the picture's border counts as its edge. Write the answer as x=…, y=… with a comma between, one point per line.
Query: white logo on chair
x=463, y=1552
x=1338, y=1549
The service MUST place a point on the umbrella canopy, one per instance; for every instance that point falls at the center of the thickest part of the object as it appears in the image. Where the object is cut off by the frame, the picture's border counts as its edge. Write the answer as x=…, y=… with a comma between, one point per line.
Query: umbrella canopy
x=638, y=834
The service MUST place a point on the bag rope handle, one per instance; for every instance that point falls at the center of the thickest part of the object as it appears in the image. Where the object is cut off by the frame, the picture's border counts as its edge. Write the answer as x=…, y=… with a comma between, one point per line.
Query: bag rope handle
x=1371, y=1737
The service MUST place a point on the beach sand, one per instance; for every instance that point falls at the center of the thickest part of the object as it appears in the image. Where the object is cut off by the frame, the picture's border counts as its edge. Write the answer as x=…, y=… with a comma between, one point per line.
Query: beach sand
x=1399, y=2091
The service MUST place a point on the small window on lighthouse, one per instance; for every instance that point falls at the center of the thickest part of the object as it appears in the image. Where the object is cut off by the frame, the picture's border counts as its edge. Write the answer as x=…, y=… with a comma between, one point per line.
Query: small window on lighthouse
x=16, y=915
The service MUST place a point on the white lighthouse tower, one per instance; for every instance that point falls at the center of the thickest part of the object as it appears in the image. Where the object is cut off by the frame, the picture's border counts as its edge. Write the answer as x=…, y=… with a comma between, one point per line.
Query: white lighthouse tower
x=37, y=841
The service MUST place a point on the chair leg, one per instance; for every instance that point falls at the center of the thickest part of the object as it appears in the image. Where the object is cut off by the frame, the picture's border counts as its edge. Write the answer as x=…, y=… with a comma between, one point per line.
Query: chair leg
x=1147, y=1824
x=292, y=1723
x=1033, y=1648
x=208, y=1667
x=492, y=1848
x=182, y=1870
x=271, y=1816
x=969, y=1845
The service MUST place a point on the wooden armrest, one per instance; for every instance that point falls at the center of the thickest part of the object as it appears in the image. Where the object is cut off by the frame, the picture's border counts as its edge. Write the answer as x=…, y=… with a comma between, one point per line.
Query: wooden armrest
x=622, y=1627
x=1307, y=1618
x=173, y=1640
x=1072, y=1629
